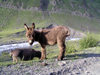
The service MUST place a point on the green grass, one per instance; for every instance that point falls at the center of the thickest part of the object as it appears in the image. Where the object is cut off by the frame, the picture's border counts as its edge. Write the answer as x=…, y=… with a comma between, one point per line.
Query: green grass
x=12, y=21
x=78, y=5
x=72, y=52
x=69, y=5
x=5, y=33
x=52, y=53
x=76, y=22
x=11, y=35
x=72, y=47
x=6, y=60
x=96, y=36
x=22, y=3
x=87, y=42
x=13, y=18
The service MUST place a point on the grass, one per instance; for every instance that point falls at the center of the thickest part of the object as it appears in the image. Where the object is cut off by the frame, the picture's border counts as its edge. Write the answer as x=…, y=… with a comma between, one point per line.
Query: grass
x=13, y=18
x=72, y=47
x=22, y=3
x=67, y=5
x=72, y=52
x=95, y=36
x=87, y=42
x=76, y=22
x=78, y=5
x=6, y=32
x=6, y=60
x=12, y=21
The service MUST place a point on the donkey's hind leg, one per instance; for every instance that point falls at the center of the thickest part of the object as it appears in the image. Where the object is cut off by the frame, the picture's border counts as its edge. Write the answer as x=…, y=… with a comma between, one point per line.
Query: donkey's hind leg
x=62, y=48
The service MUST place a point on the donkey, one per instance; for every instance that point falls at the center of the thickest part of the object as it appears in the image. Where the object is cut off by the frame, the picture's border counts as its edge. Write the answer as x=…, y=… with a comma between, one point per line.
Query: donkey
x=24, y=54
x=52, y=36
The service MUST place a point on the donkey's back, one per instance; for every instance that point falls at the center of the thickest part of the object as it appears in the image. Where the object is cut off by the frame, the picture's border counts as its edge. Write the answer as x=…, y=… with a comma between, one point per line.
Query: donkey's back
x=55, y=34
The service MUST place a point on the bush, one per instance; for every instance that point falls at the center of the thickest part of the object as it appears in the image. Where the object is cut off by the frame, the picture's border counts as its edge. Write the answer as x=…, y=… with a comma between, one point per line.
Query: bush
x=70, y=48
x=87, y=42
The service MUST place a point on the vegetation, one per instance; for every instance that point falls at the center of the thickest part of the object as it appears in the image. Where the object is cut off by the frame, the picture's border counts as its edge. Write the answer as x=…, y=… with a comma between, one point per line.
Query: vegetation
x=6, y=60
x=71, y=47
x=87, y=42
x=77, y=14
x=82, y=6
x=13, y=18
x=52, y=53
x=12, y=21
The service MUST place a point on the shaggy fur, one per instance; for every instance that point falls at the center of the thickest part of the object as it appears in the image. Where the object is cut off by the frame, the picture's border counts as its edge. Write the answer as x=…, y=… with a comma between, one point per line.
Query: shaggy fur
x=52, y=36
x=24, y=54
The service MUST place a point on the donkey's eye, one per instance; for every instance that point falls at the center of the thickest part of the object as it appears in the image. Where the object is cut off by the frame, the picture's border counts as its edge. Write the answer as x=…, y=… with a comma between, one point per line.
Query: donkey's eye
x=29, y=36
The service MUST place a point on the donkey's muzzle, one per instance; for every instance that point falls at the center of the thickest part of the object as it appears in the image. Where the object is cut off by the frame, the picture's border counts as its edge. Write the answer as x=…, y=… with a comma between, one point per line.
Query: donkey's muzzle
x=31, y=42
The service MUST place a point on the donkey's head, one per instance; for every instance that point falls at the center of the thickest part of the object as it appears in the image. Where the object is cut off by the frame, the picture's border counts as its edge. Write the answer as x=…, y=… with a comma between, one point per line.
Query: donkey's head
x=30, y=33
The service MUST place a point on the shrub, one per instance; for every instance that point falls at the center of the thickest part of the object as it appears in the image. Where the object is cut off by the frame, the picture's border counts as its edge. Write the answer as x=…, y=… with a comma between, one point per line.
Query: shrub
x=70, y=48
x=87, y=42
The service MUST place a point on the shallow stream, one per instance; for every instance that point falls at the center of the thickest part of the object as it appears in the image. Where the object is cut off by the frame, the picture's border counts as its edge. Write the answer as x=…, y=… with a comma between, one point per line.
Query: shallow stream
x=24, y=45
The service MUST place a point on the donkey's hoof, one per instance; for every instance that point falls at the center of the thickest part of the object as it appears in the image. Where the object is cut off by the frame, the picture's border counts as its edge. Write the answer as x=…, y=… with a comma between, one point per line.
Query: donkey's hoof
x=59, y=59
x=42, y=58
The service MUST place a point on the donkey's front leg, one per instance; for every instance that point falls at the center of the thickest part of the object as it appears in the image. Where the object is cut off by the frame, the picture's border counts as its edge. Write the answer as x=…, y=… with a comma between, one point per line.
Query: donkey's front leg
x=43, y=52
x=15, y=59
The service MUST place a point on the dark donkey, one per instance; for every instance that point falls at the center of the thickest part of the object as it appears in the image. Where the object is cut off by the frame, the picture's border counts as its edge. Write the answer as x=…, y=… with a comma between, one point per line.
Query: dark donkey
x=52, y=36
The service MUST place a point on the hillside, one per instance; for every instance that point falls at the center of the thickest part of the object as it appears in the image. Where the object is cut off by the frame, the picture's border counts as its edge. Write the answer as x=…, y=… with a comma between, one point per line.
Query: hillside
x=89, y=8
x=81, y=15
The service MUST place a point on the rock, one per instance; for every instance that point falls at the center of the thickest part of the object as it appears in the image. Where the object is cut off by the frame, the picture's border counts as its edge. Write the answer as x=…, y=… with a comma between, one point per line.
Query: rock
x=61, y=63
x=44, y=64
x=53, y=73
x=51, y=26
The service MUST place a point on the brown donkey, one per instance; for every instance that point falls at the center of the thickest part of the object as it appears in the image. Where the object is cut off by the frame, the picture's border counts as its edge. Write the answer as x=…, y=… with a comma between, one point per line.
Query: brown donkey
x=24, y=54
x=56, y=35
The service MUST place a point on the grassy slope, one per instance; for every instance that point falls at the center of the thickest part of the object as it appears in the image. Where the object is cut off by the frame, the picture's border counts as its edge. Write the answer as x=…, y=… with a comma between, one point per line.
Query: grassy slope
x=92, y=6
x=11, y=17
x=12, y=20
x=22, y=3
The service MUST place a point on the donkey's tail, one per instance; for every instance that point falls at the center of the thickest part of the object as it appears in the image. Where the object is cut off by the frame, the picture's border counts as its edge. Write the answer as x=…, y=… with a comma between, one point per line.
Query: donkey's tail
x=68, y=32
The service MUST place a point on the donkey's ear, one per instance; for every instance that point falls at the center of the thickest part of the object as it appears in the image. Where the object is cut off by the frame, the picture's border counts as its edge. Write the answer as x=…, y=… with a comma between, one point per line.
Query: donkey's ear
x=26, y=27
x=33, y=25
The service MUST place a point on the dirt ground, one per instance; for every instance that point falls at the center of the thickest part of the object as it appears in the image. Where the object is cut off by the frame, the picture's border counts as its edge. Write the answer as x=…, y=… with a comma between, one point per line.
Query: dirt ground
x=77, y=64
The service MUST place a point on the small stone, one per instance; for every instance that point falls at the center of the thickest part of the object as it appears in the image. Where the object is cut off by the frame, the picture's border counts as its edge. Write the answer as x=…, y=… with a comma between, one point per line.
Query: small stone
x=61, y=63
x=44, y=64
